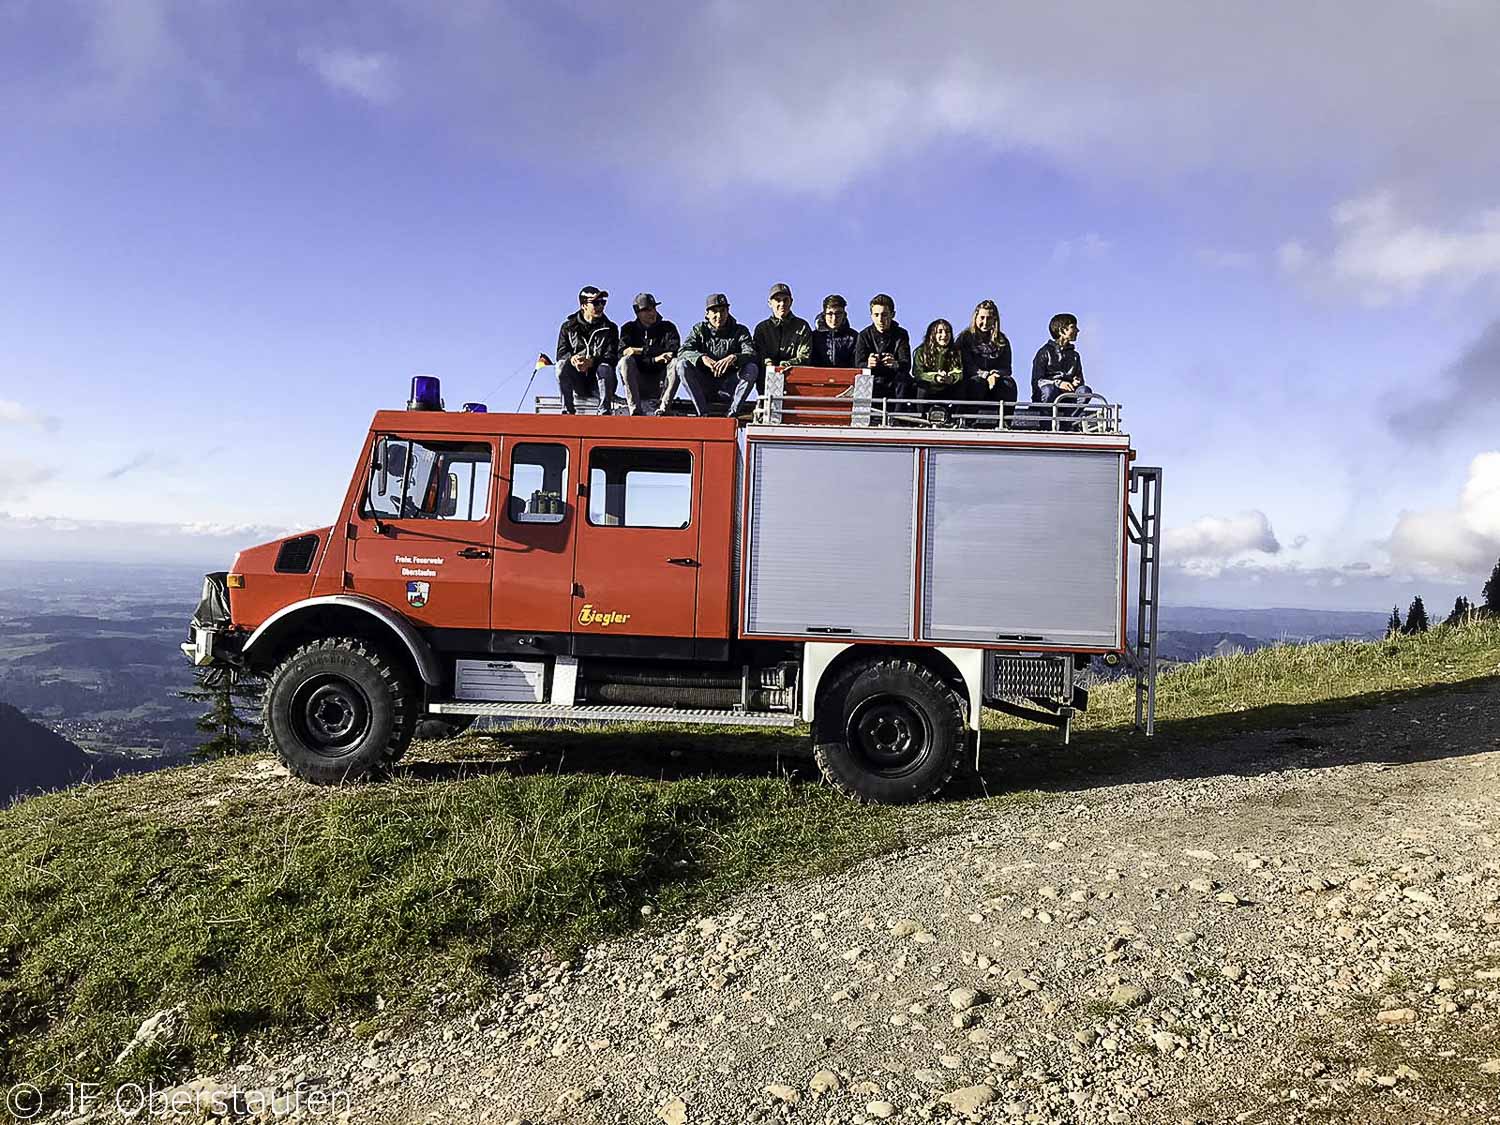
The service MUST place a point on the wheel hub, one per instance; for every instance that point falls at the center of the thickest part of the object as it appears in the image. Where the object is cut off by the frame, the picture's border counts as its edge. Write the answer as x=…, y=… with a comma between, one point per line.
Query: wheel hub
x=331, y=714
x=890, y=734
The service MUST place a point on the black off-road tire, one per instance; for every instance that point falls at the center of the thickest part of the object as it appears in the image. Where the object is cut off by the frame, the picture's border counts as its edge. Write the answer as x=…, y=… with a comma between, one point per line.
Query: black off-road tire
x=889, y=732
x=340, y=709
x=435, y=728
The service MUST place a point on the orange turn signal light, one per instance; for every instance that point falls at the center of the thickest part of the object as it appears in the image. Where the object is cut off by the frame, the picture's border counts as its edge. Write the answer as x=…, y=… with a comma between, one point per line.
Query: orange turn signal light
x=235, y=582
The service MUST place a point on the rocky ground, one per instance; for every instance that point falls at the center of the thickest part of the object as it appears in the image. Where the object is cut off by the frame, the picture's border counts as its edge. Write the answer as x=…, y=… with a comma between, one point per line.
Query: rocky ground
x=1297, y=925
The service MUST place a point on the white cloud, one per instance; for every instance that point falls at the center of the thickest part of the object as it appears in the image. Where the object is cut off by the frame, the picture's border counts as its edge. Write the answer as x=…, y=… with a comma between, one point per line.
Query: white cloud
x=1275, y=91
x=1379, y=253
x=13, y=413
x=1461, y=541
x=40, y=535
x=365, y=74
x=1208, y=542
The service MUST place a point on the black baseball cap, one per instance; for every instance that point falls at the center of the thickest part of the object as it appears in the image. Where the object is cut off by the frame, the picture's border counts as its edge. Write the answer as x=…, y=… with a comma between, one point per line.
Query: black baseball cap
x=643, y=301
x=589, y=292
x=780, y=289
x=714, y=300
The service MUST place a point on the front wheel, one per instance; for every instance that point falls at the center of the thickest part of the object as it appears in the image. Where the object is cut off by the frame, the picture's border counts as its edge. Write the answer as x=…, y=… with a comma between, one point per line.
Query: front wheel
x=339, y=709
x=889, y=731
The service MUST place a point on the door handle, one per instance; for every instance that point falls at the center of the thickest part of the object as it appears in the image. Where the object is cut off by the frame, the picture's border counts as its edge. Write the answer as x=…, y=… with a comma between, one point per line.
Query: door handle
x=683, y=562
x=473, y=553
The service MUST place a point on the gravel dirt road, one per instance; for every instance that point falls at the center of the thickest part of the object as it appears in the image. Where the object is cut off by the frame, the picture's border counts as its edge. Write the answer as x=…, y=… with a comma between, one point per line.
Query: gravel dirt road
x=1299, y=924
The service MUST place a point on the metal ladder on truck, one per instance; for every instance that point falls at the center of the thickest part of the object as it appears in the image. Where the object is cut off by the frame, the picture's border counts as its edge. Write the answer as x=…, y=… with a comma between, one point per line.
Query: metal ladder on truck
x=1145, y=533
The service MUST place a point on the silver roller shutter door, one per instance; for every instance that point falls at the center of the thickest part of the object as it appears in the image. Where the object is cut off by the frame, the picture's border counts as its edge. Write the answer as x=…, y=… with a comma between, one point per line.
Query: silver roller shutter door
x=1023, y=543
x=831, y=540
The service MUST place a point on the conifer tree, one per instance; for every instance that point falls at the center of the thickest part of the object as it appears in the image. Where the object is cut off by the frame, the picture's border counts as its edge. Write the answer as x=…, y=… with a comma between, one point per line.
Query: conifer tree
x=231, y=721
x=1461, y=610
x=1416, y=617
x=1394, y=625
x=1492, y=592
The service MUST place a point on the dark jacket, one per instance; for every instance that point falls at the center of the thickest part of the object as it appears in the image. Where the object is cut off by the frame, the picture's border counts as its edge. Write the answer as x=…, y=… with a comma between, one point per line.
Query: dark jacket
x=895, y=341
x=660, y=337
x=783, y=343
x=1054, y=362
x=981, y=354
x=933, y=366
x=600, y=341
x=832, y=348
x=732, y=338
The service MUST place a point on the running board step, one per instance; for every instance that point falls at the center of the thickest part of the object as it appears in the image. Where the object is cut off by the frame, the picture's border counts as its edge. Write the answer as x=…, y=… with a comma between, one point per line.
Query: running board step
x=614, y=713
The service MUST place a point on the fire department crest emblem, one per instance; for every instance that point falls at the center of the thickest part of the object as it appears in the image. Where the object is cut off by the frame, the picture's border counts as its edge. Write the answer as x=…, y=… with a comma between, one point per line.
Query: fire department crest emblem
x=416, y=594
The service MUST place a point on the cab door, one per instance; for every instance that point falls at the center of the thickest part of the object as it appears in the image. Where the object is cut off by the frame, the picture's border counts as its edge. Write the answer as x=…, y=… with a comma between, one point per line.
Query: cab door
x=422, y=540
x=533, y=597
x=636, y=563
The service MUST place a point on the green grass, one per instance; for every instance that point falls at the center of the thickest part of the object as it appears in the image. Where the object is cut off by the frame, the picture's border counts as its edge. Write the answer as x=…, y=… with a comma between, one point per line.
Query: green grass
x=269, y=908
x=1285, y=683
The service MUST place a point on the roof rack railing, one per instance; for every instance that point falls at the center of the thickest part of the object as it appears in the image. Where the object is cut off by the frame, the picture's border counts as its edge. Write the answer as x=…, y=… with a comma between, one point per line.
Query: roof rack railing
x=856, y=405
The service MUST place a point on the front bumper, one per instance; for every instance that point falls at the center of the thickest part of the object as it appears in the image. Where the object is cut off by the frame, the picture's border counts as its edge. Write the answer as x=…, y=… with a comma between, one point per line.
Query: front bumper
x=211, y=636
x=199, y=647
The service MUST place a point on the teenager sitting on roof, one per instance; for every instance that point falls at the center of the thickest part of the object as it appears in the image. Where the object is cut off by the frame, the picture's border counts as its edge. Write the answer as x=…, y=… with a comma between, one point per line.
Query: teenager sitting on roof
x=647, y=345
x=717, y=358
x=885, y=348
x=588, y=346
x=1058, y=368
x=937, y=365
x=834, y=340
x=783, y=339
x=986, y=357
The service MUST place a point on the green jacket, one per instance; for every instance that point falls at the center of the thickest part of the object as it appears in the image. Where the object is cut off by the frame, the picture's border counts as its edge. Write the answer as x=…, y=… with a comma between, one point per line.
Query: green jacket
x=936, y=366
x=732, y=338
x=784, y=343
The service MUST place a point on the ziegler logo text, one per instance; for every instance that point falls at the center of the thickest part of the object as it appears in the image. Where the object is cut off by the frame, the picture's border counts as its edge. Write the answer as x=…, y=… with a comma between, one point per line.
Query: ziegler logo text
x=588, y=615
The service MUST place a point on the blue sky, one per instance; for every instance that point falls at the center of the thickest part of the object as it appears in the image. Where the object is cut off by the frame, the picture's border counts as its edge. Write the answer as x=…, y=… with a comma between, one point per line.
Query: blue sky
x=232, y=230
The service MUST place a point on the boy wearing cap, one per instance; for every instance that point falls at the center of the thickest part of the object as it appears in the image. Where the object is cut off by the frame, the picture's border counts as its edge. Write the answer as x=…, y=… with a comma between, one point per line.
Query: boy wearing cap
x=647, y=345
x=834, y=340
x=718, y=355
x=885, y=348
x=588, y=347
x=783, y=339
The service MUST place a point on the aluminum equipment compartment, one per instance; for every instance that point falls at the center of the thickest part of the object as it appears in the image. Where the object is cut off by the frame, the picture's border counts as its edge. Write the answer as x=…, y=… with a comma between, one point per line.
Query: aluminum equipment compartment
x=830, y=545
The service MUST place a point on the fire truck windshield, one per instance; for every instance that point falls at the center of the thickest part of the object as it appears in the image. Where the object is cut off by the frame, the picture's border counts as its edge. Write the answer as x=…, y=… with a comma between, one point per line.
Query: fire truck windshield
x=412, y=479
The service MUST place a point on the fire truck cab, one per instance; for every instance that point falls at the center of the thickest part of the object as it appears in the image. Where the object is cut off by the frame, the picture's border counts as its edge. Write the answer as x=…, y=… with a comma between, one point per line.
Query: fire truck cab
x=880, y=571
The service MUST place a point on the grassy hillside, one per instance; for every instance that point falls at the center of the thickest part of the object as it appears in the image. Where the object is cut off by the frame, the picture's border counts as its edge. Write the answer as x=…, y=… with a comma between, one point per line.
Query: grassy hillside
x=264, y=906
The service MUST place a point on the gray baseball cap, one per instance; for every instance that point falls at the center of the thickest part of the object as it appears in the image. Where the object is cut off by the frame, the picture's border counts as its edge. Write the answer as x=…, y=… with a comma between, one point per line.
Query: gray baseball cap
x=643, y=301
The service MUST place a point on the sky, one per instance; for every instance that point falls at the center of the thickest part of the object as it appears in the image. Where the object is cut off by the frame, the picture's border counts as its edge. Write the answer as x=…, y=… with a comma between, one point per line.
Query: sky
x=229, y=231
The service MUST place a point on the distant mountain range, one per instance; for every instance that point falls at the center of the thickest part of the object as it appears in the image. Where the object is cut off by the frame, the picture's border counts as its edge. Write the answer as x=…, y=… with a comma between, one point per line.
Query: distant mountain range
x=33, y=759
x=1275, y=624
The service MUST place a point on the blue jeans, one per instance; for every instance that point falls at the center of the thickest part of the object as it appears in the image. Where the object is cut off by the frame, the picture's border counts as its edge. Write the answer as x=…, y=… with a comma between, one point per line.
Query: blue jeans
x=1049, y=393
x=571, y=381
x=705, y=390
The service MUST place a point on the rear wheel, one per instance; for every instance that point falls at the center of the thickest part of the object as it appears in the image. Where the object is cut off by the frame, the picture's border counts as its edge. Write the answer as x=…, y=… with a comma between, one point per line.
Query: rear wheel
x=889, y=731
x=339, y=709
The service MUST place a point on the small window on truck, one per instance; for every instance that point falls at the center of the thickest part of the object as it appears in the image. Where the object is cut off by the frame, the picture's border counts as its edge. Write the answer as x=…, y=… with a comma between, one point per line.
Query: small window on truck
x=640, y=487
x=411, y=479
x=538, y=483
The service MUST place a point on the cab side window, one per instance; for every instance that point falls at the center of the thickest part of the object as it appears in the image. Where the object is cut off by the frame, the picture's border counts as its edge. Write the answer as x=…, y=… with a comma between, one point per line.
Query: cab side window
x=412, y=479
x=640, y=487
x=538, y=483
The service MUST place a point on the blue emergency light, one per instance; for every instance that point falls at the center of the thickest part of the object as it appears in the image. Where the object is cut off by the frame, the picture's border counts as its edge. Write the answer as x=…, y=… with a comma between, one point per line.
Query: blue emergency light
x=476, y=408
x=426, y=393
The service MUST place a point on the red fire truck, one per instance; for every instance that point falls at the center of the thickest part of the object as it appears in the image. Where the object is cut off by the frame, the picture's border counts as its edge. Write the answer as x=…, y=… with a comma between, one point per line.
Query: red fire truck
x=878, y=570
